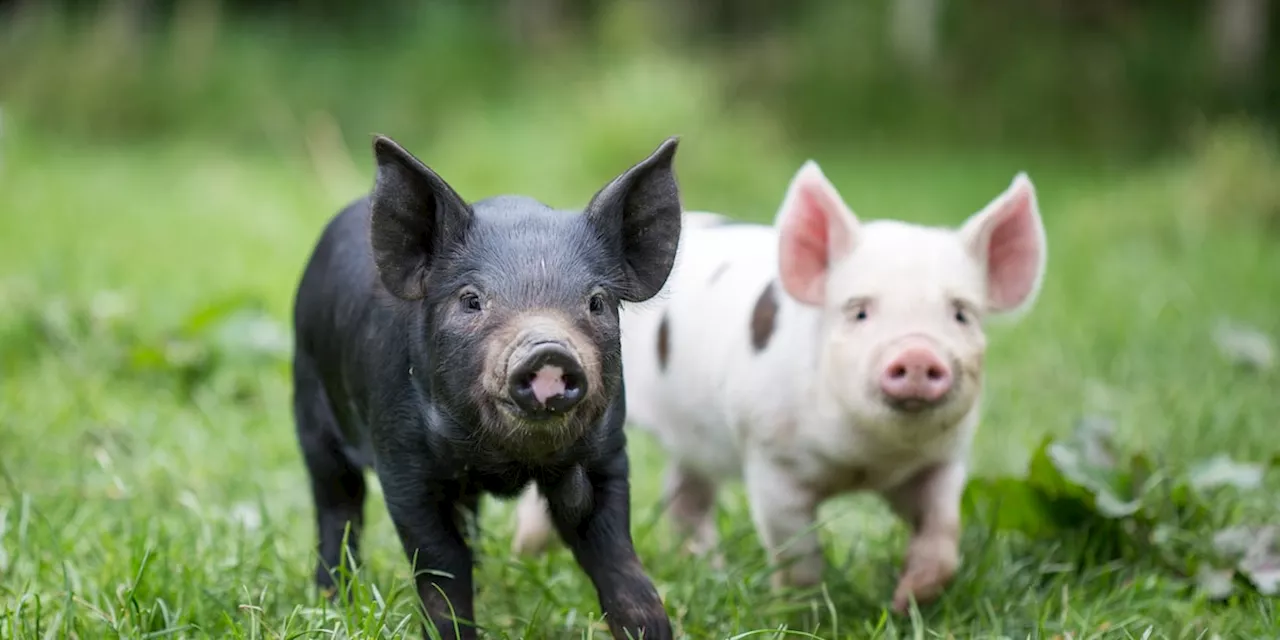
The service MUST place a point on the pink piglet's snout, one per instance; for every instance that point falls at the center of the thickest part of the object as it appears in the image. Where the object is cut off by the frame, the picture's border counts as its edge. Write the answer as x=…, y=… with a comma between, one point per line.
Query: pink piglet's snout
x=916, y=377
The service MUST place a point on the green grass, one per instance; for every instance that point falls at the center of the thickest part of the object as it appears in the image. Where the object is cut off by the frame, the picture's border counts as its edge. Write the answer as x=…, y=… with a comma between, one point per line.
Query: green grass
x=133, y=506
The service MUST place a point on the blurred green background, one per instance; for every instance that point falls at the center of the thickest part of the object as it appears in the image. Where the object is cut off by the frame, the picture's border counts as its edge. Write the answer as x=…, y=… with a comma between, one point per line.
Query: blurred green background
x=1120, y=76
x=165, y=168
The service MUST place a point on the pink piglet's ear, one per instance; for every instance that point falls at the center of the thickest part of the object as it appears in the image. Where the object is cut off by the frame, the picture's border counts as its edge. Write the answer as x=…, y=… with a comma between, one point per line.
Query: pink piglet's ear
x=815, y=230
x=1007, y=238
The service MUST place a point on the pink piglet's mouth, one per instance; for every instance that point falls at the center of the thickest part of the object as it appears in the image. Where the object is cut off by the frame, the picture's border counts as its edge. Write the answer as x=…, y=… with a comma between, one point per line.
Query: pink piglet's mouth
x=916, y=377
x=913, y=405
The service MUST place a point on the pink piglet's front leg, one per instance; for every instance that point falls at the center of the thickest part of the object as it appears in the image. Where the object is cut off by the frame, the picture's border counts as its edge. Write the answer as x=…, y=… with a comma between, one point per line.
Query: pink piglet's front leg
x=784, y=511
x=930, y=503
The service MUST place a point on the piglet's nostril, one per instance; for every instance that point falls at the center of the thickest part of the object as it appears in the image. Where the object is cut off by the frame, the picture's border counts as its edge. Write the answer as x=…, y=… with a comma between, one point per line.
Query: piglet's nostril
x=547, y=381
x=917, y=377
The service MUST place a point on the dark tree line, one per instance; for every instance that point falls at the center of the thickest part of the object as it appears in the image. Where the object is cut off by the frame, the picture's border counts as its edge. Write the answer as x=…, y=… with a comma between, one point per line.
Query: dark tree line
x=1105, y=65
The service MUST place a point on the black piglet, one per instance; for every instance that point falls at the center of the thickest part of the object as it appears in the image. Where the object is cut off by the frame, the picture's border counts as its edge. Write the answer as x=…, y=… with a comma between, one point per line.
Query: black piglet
x=462, y=349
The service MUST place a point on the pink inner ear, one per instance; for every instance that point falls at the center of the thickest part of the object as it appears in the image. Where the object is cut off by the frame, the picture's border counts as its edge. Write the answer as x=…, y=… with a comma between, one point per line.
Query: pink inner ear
x=1013, y=254
x=805, y=249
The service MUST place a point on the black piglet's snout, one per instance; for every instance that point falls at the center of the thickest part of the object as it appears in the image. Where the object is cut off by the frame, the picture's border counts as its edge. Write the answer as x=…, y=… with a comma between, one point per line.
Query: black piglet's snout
x=549, y=381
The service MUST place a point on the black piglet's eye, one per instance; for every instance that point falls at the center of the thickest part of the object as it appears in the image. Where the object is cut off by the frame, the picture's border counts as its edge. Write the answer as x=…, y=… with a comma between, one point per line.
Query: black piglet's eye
x=596, y=303
x=471, y=302
x=860, y=315
x=961, y=316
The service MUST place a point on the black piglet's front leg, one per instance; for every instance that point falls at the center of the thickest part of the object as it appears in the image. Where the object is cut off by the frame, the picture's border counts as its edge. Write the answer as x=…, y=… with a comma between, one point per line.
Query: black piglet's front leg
x=427, y=524
x=592, y=513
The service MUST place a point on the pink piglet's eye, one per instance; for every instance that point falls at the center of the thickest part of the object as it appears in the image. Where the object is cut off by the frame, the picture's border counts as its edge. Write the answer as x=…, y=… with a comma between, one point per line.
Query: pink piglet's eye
x=856, y=310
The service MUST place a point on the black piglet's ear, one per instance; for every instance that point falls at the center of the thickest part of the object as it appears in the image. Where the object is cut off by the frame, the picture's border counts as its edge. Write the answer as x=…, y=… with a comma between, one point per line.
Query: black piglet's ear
x=640, y=210
x=415, y=214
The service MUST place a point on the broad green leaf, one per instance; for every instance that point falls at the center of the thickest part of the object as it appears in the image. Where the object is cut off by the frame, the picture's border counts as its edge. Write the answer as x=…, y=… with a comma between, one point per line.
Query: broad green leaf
x=1215, y=583
x=1010, y=504
x=1088, y=461
x=1222, y=470
x=219, y=310
x=1256, y=552
x=252, y=333
x=1244, y=345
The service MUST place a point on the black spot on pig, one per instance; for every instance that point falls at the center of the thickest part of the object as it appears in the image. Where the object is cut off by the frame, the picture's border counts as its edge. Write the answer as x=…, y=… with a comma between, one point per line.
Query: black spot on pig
x=473, y=348
x=664, y=340
x=763, y=317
